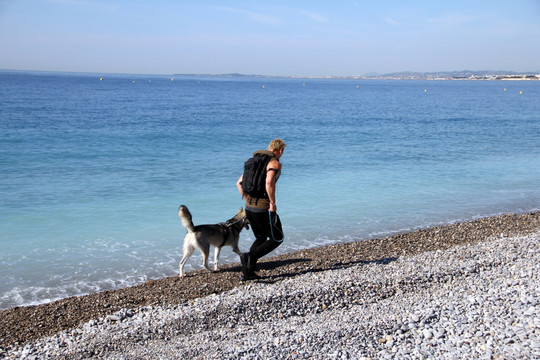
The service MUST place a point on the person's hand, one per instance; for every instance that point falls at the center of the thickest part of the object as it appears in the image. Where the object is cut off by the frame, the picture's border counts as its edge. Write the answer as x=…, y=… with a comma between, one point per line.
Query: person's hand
x=273, y=207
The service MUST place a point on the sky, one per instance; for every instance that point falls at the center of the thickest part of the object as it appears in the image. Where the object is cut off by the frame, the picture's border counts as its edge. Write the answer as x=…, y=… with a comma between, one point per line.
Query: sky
x=277, y=37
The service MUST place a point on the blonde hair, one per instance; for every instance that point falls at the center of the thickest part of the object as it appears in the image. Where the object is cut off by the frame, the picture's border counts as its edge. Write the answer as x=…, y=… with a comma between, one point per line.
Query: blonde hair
x=276, y=144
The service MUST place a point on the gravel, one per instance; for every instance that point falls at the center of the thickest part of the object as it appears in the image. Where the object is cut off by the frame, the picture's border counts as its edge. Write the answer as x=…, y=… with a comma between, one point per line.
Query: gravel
x=466, y=290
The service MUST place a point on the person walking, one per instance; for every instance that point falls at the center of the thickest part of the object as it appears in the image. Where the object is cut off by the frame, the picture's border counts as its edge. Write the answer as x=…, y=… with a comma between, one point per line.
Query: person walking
x=261, y=208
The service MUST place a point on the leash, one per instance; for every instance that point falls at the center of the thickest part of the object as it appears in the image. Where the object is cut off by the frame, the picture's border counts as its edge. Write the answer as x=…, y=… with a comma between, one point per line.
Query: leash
x=272, y=223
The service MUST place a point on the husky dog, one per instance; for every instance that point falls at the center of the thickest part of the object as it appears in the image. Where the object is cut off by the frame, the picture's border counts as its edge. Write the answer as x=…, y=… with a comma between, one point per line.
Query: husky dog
x=217, y=235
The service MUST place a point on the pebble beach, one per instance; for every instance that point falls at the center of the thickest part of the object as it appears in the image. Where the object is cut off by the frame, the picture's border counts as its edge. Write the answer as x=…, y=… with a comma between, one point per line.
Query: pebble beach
x=464, y=290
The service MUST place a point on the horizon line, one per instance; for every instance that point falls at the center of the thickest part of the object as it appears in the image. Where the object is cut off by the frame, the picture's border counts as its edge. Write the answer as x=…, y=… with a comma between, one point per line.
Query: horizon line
x=232, y=74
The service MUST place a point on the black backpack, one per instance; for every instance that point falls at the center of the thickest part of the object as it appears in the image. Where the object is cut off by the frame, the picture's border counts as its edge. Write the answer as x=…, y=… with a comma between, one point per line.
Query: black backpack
x=254, y=179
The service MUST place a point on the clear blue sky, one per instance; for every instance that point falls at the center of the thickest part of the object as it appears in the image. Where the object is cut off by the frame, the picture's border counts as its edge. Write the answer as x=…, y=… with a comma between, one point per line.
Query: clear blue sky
x=274, y=37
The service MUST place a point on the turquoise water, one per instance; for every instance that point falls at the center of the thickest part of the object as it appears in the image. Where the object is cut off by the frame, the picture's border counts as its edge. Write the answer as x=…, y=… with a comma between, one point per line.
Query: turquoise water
x=92, y=172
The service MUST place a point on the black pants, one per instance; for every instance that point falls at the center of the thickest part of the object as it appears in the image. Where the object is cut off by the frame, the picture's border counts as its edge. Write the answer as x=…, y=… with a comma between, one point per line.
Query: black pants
x=263, y=244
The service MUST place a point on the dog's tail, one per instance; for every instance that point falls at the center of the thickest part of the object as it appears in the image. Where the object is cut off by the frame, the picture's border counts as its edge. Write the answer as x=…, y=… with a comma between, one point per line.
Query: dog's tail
x=185, y=215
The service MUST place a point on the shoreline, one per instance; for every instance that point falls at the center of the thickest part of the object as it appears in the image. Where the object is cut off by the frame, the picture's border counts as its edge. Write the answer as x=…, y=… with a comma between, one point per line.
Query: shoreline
x=24, y=324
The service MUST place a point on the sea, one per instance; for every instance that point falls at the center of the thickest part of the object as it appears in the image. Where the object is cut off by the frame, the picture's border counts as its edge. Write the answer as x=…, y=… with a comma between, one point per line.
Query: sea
x=93, y=167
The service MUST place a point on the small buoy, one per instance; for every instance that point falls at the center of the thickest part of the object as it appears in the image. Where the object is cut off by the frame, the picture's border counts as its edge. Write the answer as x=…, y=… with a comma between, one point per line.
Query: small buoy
x=425, y=90
x=504, y=89
x=149, y=81
x=521, y=92
x=172, y=79
x=357, y=86
x=100, y=79
x=264, y=86
x=134, y=81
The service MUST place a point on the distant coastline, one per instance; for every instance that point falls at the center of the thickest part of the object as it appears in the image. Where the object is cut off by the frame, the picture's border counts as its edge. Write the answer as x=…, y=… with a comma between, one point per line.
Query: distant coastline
x=459, y=75
x=404, y=75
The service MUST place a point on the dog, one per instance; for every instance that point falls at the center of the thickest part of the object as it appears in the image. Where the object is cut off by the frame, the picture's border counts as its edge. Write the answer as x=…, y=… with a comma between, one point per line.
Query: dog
x=217, y=235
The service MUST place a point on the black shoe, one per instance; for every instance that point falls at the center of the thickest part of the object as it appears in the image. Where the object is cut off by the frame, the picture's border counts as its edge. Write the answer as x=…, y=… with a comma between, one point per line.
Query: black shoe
x=254, y=276
x=244, y=260
x=251, y=276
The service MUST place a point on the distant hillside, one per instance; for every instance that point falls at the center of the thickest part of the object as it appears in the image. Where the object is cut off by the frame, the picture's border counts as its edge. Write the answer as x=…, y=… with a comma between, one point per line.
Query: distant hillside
x=403, y=75
x=464, y=74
